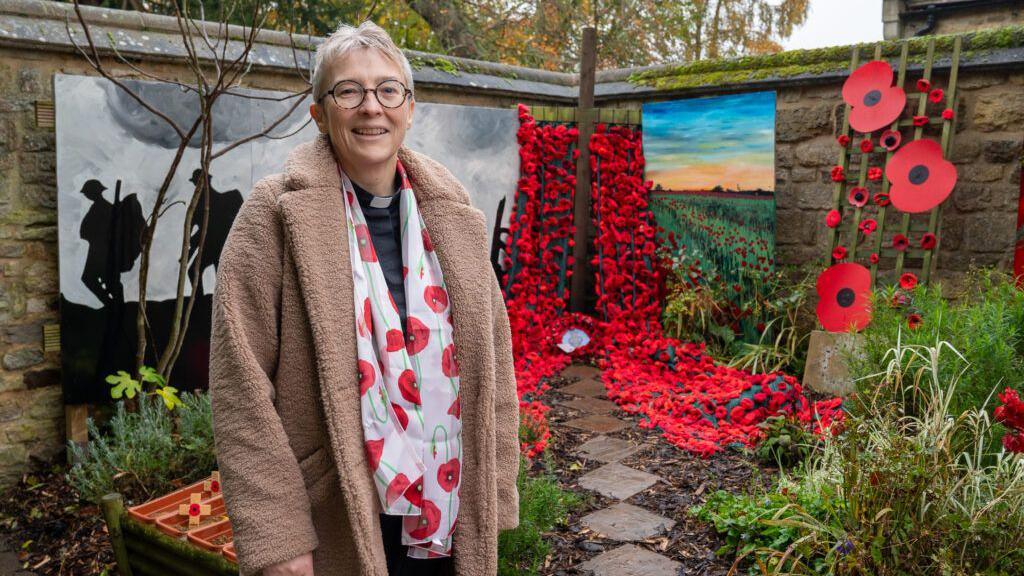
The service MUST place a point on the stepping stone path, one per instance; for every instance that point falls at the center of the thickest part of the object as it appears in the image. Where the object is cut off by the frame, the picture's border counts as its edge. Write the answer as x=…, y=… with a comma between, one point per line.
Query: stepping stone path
x=621, y=521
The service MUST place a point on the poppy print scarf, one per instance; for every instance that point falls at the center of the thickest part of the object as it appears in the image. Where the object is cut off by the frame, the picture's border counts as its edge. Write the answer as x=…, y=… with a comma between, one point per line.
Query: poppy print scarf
x=408, y=380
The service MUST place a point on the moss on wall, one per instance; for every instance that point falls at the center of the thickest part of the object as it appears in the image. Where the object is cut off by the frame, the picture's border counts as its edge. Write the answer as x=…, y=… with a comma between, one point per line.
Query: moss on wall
x=818, y=61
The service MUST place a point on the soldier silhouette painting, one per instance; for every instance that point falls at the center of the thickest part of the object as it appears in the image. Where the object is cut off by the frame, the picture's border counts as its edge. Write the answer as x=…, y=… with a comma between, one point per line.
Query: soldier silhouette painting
x=113, y=232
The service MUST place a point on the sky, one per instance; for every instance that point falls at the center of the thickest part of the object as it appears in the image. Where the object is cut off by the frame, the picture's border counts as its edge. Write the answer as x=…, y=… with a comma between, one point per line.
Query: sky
x=838, y=22
x=698, y=143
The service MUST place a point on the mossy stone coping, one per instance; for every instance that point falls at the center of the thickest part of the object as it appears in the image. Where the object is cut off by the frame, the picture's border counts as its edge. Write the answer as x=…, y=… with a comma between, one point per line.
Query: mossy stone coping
x=819, y=60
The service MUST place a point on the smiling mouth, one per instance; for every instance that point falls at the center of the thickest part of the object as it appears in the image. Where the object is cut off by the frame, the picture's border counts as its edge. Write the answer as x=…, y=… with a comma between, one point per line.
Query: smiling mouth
x=370, y=131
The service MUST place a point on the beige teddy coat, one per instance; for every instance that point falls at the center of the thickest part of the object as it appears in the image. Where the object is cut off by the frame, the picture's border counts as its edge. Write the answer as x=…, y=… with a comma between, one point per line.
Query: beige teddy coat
x=284, y=384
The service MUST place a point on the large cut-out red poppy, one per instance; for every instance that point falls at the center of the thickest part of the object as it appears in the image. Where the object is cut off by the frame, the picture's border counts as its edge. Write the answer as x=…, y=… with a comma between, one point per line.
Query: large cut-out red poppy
x=874, y=101
x=921, y=178
x=844, y=297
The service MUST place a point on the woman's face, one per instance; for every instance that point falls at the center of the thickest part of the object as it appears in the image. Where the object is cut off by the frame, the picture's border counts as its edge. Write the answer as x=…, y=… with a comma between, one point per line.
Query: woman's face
x=348, y=128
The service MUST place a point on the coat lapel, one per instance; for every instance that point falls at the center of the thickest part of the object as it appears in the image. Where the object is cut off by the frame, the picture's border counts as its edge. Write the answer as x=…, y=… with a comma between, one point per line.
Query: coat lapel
x=313, y=215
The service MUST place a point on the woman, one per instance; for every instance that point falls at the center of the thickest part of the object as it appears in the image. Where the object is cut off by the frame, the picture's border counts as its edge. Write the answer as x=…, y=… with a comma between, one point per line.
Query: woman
x=364, y=402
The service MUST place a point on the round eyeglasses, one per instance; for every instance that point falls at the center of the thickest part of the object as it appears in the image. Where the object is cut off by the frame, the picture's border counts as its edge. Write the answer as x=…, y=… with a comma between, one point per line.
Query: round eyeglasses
x=350, y=94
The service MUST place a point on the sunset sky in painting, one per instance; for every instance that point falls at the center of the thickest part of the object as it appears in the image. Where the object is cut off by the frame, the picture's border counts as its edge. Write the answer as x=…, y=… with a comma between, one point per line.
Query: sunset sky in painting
x=699, y=143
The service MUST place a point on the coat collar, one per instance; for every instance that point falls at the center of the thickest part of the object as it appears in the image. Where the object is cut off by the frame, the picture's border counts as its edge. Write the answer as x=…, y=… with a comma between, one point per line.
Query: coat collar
x=312, y=211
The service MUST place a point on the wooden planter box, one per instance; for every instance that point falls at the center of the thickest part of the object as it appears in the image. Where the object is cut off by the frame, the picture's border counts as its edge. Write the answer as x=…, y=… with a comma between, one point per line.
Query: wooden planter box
x=213, y=538
x=141, y=549
x=176, y=525
x=149, y=512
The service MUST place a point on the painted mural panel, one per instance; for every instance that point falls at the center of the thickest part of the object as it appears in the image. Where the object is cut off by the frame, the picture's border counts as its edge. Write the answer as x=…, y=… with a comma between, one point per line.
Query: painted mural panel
x=111, y=157
x=712, y=162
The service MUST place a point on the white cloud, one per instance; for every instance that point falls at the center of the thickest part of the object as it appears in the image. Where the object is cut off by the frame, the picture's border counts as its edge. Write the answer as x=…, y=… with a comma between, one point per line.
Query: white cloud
x=837, y=23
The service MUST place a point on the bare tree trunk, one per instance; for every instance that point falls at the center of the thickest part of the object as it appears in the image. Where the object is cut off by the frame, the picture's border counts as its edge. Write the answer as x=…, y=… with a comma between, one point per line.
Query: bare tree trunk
x=447, y=22
x=713, y=48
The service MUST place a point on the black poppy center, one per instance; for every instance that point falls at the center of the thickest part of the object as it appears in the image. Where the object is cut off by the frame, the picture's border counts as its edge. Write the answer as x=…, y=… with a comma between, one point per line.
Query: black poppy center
x=918, y=174
x=872, y=98
x=890, y=141
x=845, y=297
x=859, y=196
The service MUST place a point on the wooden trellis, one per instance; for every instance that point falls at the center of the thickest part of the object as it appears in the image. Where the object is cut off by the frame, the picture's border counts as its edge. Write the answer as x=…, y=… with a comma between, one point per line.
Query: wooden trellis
x=630, y=116
x=907, y=225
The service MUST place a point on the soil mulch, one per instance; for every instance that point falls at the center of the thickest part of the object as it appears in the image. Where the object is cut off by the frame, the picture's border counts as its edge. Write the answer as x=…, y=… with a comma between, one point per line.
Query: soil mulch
x=51, y=530
x=687, y=481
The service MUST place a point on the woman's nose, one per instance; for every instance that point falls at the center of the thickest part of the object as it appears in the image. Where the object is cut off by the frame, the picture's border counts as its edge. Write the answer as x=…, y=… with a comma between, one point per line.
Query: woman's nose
x=370, y=104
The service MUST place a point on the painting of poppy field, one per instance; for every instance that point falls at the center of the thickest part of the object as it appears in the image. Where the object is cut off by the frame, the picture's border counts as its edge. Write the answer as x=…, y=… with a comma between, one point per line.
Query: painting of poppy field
x=712, y=164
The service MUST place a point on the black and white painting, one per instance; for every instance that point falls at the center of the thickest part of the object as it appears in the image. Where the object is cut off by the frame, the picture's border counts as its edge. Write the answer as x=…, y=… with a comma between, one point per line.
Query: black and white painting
x=112, y=156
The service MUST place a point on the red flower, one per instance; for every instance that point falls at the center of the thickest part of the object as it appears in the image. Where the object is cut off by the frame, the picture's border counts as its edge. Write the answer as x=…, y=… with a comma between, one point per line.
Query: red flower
x=436, y=298
x=899, y=299
x=367, y=376
x=374, y=448
x=417, y=335
x=401, y=415
x=947, y=114
x=448, y=475
x=874, y=173
x=908, y=281
x=396, y=341
x=936, y=95
x=844, y=300
x=923, y=85
x=920, y=120
x=882, y=199
x=839, y=253
x=928, y=241
x=921, y=178
x=366, y=251
x=449, y=365
x=900, y=242
x=891, y=139
x=866, y=146
x=422, y=526
x=874, y=101
x=833, y=218
x=414, y=493
x=858, y=196
x=456, y=408
x=427, y=244
x=873, y=258
x=410, y=389
x=837, y=174
x=914, y=321
x=398, y=485
x=843, y=140
x=868, y=226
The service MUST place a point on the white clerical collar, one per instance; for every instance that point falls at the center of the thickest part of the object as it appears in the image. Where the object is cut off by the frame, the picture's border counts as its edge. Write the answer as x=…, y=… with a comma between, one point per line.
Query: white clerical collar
x=382, y=201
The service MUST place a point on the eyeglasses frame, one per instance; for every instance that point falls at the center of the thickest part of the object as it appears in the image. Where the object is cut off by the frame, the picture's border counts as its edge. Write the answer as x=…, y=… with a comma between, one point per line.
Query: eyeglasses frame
x=405, y=96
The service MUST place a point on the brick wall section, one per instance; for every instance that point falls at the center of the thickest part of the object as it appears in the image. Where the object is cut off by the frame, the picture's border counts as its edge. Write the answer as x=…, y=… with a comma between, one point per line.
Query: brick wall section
x=978, y=221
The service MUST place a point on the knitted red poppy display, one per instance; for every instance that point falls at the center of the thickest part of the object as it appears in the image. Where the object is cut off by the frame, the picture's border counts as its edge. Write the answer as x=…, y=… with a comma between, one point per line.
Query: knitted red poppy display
x=921, y=178
x=923, y=85
x=868, y=226
x=900, y=242
x=936, y=95
x=920, y=120
x=843, y=140
x=839, y=253
x=874, y=101
x=833, y=218
x=858, y=196
x=928, y=241
x=867, y=146
x=947, y=114
x=837, y=174
x=844, y=297
x=1010, y=413
x=908, y=281
x=882, y=199
x=874, y=173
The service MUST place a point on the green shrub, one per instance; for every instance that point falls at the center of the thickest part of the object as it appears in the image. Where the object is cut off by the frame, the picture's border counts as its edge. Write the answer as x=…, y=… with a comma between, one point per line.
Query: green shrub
x=141, y=455
x=786, y=441
x=542, y=506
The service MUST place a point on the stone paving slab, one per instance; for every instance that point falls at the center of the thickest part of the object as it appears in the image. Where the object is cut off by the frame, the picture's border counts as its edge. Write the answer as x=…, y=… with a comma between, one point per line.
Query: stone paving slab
x=606, y=449
x=617, y=481
x=590, y=387
x=590, y=405
x=581, y=371
x=626, y=523
x=630, y=560
x=600, y=423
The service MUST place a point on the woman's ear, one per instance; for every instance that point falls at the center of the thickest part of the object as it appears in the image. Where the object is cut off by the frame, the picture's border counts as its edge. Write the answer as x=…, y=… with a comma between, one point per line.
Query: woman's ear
x=319, y=116
x=412, y=105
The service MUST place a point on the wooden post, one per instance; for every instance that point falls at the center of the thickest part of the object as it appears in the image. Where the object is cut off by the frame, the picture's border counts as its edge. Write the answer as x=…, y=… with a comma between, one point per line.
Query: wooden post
x=76, y=429
x=113, y=509
x=581, y=276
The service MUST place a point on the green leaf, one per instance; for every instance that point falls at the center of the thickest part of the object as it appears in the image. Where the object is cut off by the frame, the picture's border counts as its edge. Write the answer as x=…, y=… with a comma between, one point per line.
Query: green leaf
x=124, y=385
x=151, y=375
x=169, y=395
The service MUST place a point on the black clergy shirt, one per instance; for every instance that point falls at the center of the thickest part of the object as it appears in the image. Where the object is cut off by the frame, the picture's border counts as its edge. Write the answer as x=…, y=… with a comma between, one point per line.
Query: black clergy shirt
x=384, y=221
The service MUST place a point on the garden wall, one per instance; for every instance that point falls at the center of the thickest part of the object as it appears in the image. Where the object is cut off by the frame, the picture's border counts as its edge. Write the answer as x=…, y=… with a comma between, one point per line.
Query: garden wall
x=977, y=224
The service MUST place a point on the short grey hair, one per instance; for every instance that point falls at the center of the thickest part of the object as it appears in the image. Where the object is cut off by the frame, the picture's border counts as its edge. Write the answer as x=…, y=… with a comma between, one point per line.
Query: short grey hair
x=346, y=38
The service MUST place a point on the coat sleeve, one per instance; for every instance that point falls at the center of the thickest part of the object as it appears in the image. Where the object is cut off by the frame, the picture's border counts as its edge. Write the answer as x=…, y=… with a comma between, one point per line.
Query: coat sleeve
x=262, y=484
x=506, y=414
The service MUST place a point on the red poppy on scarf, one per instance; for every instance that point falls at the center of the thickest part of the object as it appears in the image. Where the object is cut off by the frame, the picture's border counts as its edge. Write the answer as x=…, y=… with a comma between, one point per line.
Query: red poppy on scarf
x=366, y=251
x=422, y=526
x=414, y=493
x=448, y=364
x=396, y=341
x=448, y=475
x=417, y=335
x=844, y=297
x=401, y=415
x=874, y=101
x=374, y=449
x=436, y=298
x=367, y=375
x=921, y=178
x=456, y=408
x=407, y=384
x=396, y=488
